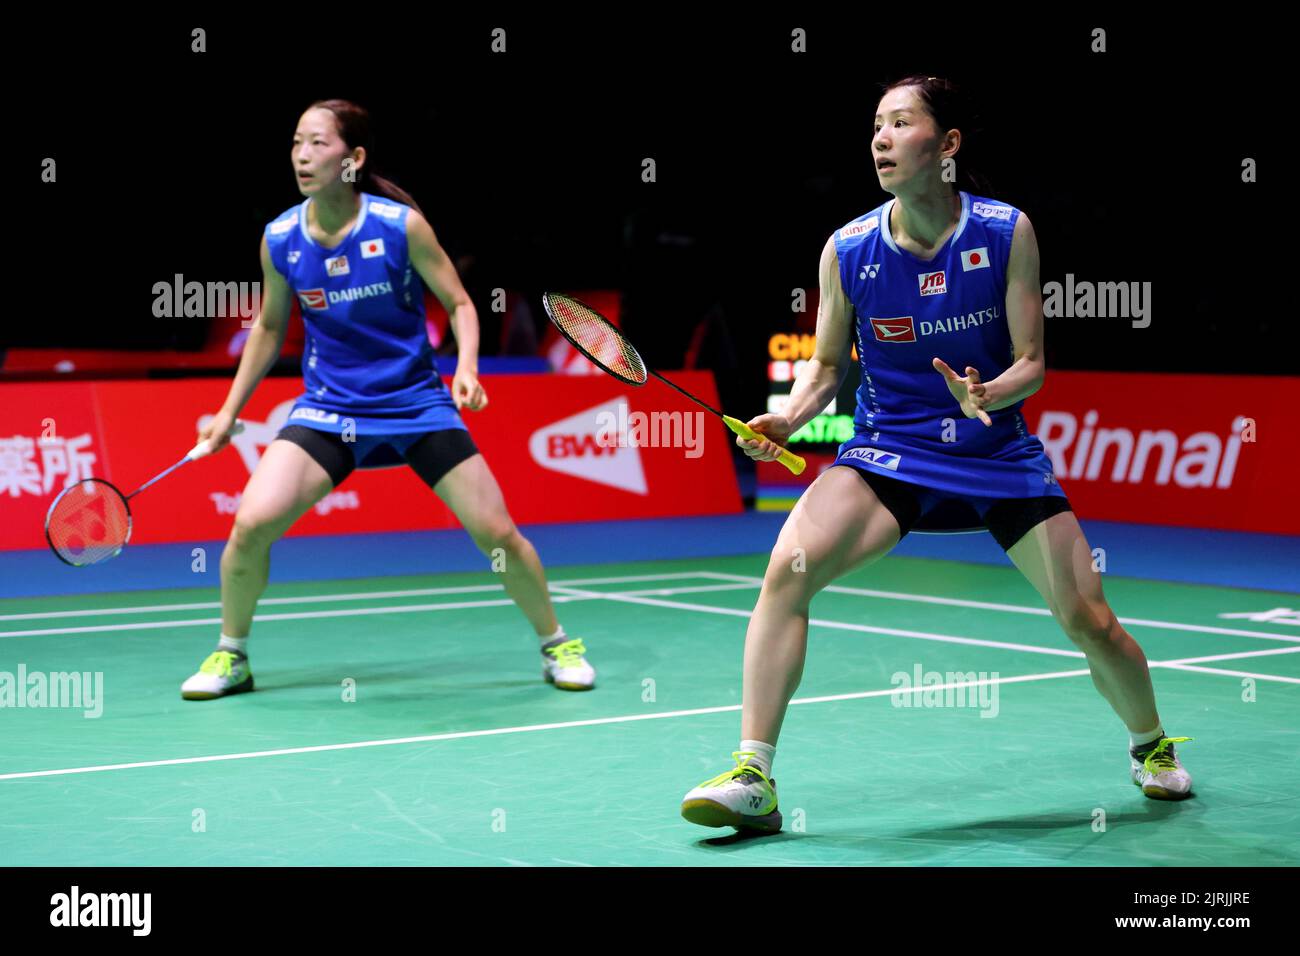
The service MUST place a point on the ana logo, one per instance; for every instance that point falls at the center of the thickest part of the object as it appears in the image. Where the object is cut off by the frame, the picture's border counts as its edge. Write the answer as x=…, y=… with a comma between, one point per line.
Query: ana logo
x=372, y=248
x=874, y=456
x=975, y=259
x=316, y=415
x=573, y=446
x=932, y=283
x=860, y=228
x=338, y=266
x=894, y=330
x=869, y=271
x=313, y=299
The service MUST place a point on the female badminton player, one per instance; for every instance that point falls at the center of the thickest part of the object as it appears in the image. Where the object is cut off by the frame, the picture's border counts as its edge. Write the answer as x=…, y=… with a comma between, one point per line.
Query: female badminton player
x=354, y=253
x=935, y=279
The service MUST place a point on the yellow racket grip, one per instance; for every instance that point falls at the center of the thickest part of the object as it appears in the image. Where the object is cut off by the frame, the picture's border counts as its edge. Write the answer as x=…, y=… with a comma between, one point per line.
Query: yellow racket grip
x=787, y=458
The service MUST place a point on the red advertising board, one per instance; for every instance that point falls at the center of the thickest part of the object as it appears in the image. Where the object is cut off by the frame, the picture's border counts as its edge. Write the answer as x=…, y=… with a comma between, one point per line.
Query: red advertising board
x=1203, y=451
x=563, y=448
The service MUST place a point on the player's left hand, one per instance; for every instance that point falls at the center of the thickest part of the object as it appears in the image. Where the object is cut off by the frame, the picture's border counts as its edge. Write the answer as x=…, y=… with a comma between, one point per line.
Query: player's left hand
x=466, y=390
x=970, y=392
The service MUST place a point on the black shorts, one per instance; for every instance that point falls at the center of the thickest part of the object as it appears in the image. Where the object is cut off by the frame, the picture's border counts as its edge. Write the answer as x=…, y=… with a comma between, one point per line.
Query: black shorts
x=1008, y=520
x=431, y=455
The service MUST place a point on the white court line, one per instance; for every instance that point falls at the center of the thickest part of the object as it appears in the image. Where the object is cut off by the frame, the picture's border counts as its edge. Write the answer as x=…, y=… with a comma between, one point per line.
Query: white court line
x=353, y=596
x=460, y=735
x=1014, y=608
x=355, y=612
x=1219, y=670
x=1183, y=664
x=735, y=582
x=626, y=718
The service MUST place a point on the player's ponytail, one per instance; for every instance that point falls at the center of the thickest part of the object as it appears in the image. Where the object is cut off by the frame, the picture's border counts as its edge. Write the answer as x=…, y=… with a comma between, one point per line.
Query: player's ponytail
x=354, y=129
x=951, y=108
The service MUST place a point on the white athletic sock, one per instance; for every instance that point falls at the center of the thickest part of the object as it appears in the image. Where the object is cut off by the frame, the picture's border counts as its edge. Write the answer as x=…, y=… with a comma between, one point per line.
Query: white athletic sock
x=237, y=644
x=559, y=633
x=1138, y=740
x=764, y=754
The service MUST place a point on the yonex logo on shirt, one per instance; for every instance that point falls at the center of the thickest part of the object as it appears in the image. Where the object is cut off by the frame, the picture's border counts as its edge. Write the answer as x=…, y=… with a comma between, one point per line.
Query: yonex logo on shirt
x=869, y=271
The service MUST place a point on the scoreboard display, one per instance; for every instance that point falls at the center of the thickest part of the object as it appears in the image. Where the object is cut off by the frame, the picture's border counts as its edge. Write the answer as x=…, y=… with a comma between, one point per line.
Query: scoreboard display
x=788, y=353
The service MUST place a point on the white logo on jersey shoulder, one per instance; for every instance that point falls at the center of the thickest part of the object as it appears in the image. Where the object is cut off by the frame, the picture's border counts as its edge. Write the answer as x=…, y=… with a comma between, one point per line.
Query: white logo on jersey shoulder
x=384, y=210
x=281, y=226
x=315, y=415
x=869, y=270
x=294, y=255
x=867, y=225
x=874, y=456
x=990, y=211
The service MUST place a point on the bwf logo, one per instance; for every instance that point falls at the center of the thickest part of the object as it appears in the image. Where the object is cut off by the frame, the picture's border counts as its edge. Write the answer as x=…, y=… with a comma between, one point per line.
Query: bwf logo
x=103, y=909
x=579, y=446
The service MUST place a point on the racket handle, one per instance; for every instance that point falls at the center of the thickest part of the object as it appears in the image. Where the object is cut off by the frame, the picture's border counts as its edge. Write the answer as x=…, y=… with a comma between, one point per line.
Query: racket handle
x=787, y=457
x=203, y=448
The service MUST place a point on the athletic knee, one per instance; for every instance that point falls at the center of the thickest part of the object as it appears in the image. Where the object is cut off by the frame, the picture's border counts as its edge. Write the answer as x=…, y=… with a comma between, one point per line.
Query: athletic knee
x=253, y=530
x=498, y=534
x=789, y=577
x=1087, y=623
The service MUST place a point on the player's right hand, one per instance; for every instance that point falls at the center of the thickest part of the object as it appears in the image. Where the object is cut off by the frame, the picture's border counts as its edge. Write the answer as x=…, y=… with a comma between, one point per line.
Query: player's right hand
x=217, y=431
x=776, y=431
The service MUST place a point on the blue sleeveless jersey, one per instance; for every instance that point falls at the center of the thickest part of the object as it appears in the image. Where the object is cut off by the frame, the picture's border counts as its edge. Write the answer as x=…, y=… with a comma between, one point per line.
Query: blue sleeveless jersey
x=367, y=357
x=907, y=425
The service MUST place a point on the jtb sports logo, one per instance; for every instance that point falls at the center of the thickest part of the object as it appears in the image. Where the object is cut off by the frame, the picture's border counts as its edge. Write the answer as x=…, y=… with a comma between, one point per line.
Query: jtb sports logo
x=932, y=283
x=894, y=330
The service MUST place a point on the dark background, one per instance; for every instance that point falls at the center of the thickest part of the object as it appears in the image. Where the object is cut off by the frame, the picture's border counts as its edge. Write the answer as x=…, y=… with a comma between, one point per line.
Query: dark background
x=1128, y=162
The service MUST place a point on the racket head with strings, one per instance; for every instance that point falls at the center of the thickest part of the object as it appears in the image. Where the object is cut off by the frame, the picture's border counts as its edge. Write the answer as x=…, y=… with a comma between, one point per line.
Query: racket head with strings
x=595, y=337
x=600, y=341
x=88, y=523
